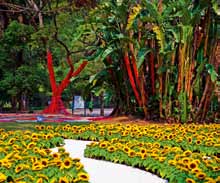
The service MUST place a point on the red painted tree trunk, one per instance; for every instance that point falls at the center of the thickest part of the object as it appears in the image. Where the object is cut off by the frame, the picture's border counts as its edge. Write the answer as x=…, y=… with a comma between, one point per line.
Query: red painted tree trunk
x=131, y=78
x=56, y=105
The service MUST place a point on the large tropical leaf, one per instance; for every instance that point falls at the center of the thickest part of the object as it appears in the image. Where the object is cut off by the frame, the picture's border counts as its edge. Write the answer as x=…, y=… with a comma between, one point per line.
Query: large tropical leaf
x=141, y=56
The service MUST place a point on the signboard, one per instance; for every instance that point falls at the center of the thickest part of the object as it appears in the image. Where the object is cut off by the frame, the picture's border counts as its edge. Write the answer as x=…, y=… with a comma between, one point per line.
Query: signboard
x=78, y=102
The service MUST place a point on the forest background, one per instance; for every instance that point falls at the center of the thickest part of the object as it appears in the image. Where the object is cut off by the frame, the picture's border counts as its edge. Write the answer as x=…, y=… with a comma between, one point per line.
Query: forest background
x=157, y=59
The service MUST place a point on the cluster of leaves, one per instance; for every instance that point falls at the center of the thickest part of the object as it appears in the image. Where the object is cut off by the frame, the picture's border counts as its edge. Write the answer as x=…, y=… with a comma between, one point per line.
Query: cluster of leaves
x=25, y=157
x=189, y=151
x=20, y=72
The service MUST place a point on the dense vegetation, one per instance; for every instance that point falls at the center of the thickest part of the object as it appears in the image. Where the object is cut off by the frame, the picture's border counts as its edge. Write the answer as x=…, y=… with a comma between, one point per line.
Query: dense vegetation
x=157, y=59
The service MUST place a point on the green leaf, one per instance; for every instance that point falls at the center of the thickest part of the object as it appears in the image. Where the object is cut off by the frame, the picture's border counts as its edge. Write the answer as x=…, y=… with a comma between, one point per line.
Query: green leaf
x=141, y=56
x=211, y=70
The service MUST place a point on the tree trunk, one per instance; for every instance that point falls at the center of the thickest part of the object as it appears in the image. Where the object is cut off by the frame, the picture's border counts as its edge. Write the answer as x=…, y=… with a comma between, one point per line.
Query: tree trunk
x=56, y=105
x=102, y=104
x=131, y=79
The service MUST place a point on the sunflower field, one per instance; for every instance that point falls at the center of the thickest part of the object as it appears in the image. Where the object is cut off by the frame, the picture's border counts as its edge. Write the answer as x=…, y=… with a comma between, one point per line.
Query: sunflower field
x=180, y=152
x=25, y=157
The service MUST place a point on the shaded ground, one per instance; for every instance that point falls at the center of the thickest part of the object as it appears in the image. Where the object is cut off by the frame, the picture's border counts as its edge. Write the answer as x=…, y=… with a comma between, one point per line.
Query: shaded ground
x=19, y=117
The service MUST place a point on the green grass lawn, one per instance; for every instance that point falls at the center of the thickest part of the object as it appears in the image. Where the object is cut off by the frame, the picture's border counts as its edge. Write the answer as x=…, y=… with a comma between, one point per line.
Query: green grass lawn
x=31, y=126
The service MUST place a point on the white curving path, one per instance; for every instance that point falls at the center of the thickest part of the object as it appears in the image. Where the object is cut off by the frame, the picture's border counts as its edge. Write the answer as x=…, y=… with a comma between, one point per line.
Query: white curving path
x=107, y=172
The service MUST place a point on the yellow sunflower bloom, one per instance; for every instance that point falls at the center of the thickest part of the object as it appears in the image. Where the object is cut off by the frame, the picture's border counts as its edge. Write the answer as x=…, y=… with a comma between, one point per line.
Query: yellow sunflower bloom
x=111, y=149
x=131, y=153
x=189, y=180
x=40, y=180
x=83, y=176
x=210, y=180
x=19, y=168
x=103, y=144
x=192, y=165
x=42, y=176
x=79, y=165
x=31, y=145
x=63, y=180
x=44, y=162
x=217, y=180
x=2, y=177
x=67, y=163
x=187, y=153
x=37, y=166
x=55, y=155
x=201, y=175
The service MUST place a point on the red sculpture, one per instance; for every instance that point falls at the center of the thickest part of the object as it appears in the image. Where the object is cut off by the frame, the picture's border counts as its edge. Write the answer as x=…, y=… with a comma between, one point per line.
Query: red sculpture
x=56, y=105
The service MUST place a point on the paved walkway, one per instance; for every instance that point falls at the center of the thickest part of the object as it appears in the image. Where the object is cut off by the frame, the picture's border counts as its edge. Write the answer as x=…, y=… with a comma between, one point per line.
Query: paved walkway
x=107, y=172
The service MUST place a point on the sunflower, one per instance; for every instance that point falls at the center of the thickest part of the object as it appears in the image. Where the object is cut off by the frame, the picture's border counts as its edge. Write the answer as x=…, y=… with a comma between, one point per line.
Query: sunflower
x=156, y=145
x=40, y=180
x=196, y=170
x=189, y=139
x=37, y=166
x=43, y=176
x=16, y=147
x=37, y=127
x=131, y=153
x=126, y=149
x=79, y=165
x=216, y=169
x=49, y=136
x=83, y=176
x=49, y=127
x=209, y=143
x=42, y=152
x=36, y=149
x=33, y=159
x=44, y=162
x=192, y=165
x=217, y=180
x=198, y=142
x=143, y=151
x=67, y=163
x=17, y=157
x=172, y=162
x=210, y=180
x=185, y=161
x=63, y=180
x=55, y=155
x=111, y=149
x=11, y=141
x=31, y=145
x=41, y=127
x=34, y=135
x=189, y=180
x=162, y=159
x=3, y=177
x=201, y=175
x=187, y=153
x=57, y=162
x=19, y=168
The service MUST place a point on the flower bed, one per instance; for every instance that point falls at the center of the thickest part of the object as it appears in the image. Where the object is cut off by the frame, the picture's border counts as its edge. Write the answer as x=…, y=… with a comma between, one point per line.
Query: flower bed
x=26, y=157
x=180, y=153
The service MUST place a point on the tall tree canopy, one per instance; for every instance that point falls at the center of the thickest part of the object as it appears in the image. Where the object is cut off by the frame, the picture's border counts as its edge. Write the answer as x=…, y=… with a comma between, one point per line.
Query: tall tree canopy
x=161, y=58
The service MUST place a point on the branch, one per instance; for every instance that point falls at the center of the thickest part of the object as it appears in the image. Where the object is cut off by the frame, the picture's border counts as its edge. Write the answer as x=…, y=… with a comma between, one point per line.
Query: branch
x=80, y=68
